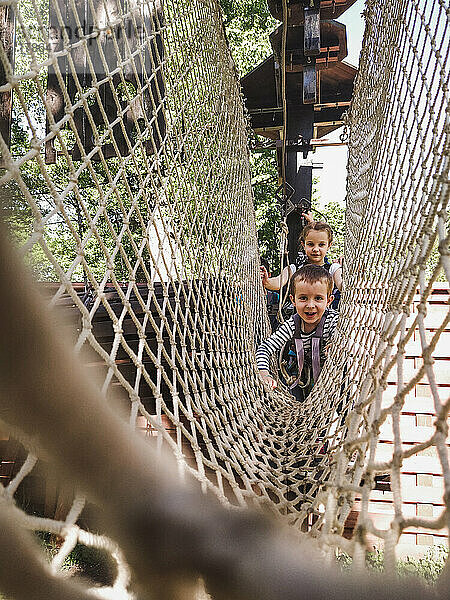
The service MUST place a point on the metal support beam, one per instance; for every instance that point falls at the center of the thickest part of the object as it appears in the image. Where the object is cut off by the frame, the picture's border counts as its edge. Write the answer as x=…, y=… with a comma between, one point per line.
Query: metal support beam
x=300, y=125
x=310, y=83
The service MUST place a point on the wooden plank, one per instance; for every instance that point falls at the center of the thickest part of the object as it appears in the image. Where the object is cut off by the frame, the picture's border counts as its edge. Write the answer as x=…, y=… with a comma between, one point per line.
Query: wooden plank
x=417, y=420
x=324, y=61
x=320, y=144
x=409, y=432
x=383, y=521
x=441, y=370
x=418, y=499
x=329, y=9
x=414, y=347
x=423, y=390
x=409, y=509
x=435, y=316
x=326, y=124
x=440, y=291
x=409, y=538
x=414, y=402
x=389, y=394
x=408, y=547
x=412, y=493
x=385, y=449
x=332, y=9
x=424, y=462
x=409, y=371
x=429, y=334
x=418, y=405
x=387, y=508
x=325, y=105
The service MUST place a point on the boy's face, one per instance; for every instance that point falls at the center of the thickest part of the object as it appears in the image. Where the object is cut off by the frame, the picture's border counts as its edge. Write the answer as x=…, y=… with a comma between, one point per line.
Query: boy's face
x=316, y=246
x=310, y=301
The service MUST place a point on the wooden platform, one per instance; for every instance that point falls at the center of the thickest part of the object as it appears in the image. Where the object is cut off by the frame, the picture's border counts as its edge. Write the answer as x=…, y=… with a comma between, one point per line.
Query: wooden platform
x=421, y=475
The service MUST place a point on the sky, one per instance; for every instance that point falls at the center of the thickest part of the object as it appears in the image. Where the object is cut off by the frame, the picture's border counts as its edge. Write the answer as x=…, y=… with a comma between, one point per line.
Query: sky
x=332, y=177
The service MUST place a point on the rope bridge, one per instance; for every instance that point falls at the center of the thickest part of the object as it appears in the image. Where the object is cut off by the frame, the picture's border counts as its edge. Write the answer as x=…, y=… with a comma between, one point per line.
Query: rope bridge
x=125, y=166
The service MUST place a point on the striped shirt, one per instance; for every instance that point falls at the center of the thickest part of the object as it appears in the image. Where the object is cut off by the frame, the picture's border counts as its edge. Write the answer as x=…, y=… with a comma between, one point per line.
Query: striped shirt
x=286, y=331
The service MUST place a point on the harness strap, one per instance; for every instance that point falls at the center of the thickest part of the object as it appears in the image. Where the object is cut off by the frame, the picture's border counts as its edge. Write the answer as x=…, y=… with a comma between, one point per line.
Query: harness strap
x=300, y=359
x=315, y=349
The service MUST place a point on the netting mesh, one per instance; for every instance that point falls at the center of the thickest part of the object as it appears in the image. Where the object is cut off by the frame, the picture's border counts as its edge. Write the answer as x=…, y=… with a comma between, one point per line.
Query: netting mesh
x=127, y=186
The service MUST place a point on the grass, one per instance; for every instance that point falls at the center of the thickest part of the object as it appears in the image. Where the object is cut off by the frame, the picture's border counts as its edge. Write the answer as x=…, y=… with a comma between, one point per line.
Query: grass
x=98, y=567
x=94, y=567
x=428, y=568
x=85, y=562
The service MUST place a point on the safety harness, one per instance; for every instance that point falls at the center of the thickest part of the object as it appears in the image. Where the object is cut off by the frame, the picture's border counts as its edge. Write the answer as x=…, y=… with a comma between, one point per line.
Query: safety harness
x=300, y=354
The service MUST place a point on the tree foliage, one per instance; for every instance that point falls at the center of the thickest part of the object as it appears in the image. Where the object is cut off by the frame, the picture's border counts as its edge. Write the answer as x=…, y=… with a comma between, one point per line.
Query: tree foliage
x=268, y=215
x=66, y=238
x=248, y=24
x=332, y=213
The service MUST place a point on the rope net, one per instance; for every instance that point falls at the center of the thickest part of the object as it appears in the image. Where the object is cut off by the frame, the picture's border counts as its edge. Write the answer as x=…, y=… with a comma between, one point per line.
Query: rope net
x=126, y=185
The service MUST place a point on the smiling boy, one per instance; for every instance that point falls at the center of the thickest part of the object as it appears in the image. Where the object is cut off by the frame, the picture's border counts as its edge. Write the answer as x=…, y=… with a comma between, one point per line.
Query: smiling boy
x=302, y=338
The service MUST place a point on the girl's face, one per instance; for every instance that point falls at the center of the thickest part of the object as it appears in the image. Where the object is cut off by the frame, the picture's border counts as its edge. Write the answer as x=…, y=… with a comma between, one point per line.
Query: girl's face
x=316, y=246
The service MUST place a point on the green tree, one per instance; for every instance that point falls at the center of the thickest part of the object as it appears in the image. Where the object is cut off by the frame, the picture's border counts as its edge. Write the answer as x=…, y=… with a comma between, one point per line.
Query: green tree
x=51, y=199
x=429, y=567
x=332, y=213
x=268, y=215
x=248, y=23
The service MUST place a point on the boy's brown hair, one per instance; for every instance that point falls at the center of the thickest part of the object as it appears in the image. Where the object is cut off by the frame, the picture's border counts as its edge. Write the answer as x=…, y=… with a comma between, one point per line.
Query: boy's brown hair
x=311, y=274
x=316, y=226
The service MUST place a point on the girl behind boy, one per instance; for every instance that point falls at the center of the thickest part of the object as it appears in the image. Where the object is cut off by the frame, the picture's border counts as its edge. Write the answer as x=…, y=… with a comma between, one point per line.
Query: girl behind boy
x=315, y=240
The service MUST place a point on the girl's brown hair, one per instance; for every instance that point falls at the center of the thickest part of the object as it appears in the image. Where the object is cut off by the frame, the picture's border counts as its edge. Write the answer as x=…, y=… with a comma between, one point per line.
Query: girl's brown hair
x=316, y=226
